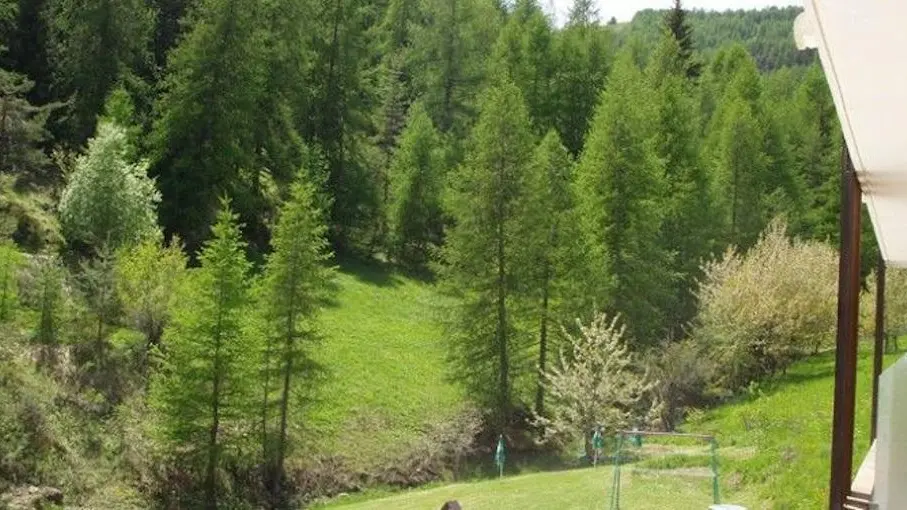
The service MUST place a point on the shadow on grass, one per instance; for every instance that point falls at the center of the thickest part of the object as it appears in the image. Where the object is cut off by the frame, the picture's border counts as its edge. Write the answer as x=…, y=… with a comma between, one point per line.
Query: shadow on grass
x=380, y=272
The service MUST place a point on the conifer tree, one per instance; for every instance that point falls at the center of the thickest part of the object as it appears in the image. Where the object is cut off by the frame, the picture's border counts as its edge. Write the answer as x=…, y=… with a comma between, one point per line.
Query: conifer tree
x=484, y=251
x=204, y=134
x=202, y=393
x=679, y=26
x=415, y=216
x=22, y=130
x=296, y=281
x=619, y=191
x=554, y=249
x=688, y=201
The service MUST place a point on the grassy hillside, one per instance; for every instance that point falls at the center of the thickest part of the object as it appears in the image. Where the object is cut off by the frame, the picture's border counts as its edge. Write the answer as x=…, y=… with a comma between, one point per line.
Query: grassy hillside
x=775, y=446
x=385, y=366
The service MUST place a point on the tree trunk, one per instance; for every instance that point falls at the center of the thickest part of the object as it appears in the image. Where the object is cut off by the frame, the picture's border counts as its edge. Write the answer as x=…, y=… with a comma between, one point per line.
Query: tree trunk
x=501, y=333
x=543, y=346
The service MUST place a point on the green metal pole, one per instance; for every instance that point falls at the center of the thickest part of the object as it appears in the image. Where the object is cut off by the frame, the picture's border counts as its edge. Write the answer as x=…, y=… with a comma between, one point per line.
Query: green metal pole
x=715, y=495
x=615, y=485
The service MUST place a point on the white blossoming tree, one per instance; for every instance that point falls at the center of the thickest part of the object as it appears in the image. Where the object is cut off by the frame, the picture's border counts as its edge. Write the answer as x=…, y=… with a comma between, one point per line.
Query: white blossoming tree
x=596, y=382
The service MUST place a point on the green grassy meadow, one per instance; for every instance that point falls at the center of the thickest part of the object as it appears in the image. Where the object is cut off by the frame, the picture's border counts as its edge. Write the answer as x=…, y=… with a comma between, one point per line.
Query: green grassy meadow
x=386, y=375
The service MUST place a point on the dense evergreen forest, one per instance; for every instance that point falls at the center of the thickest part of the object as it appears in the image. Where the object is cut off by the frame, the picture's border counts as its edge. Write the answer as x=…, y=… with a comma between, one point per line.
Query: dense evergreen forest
x=178, y=179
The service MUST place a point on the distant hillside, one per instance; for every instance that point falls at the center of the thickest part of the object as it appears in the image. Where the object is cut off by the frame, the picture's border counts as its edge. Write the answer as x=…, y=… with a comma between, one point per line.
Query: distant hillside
x=767, y=33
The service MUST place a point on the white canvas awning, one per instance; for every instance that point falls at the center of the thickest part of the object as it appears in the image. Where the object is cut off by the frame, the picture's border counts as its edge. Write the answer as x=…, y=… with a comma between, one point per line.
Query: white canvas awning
x=863, y=48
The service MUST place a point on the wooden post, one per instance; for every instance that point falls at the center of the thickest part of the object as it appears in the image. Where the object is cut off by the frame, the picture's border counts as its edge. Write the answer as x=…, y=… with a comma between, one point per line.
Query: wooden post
x=879, y=346
x=846, y=354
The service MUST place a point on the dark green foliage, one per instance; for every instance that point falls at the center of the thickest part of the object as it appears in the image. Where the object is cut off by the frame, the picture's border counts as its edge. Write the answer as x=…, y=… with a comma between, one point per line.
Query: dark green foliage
x=204, y=138
x=583, y=55
x=619, y=187
x=202, y=394
x=415, y=216
x=22, y=130
x=484, y=252
x=680, y=29
x=96, y=282
x=93, y=44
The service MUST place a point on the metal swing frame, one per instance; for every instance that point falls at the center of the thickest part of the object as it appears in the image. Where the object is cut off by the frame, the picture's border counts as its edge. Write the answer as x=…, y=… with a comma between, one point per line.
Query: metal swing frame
x=624, y=434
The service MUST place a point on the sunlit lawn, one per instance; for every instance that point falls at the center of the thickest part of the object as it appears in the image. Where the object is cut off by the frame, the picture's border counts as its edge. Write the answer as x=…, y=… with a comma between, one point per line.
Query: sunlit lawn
x=578, y=489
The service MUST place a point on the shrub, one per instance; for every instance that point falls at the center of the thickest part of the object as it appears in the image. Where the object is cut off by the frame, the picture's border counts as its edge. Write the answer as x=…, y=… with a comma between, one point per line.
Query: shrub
x=762, y=310
x=684, y=373
x=895, y=303
x=108, y=199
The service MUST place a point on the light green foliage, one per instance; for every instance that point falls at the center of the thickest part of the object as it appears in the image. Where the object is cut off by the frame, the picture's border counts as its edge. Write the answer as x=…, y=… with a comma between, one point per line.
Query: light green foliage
x=44, y=293
x=483, y=252
x=108, y=199
x=619, y=189
x=895, y=303
x=11, y=261
x=148, y=276
x=596, y=382
x=202, y=394
x=415, y=217
x=96, y=282
x=741, y=322
x=296, y=282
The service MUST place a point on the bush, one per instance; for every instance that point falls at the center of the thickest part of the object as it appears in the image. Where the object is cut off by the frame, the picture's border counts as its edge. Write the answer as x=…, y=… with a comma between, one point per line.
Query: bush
x=762, y=310
x=684, y=373
x=895, y=303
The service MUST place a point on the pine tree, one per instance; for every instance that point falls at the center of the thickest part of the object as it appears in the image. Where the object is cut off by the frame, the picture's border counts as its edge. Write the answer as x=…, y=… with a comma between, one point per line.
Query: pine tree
x=554, y=248
x=415, y=215
x=296, y=281
x=689, y=207
x=483, y=253
x=619, y=191
x=676, y=22
x=202, y=393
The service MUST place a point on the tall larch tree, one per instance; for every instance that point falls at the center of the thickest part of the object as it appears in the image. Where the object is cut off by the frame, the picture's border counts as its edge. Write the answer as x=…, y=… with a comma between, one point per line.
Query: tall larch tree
x=415, y=213
x=340, y=122
x=296, y=282
x=202, y=392
x=554, y=248
x=484, y=250
x=619, y=191
x=687, y=230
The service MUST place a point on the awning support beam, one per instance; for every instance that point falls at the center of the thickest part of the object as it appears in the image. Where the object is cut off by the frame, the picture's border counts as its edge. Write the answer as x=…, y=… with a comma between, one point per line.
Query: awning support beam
x=846, y=352
x=879, y=345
